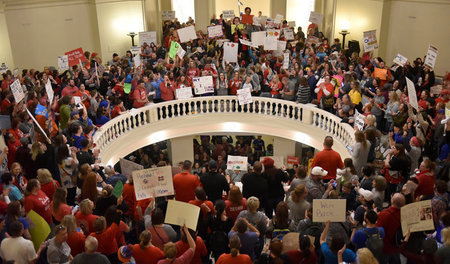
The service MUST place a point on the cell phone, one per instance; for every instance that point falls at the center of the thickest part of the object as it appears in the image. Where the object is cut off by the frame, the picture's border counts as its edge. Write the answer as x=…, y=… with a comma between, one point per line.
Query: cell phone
x=349, y=148
x=334, y=184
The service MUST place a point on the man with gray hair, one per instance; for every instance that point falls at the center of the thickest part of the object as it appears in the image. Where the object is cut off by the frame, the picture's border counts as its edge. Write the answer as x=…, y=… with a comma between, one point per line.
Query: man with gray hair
x=90, y=255
x=112, y=177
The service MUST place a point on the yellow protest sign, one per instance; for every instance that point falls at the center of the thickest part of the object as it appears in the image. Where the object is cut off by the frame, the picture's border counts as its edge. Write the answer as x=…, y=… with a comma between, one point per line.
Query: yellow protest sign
x=39, y=229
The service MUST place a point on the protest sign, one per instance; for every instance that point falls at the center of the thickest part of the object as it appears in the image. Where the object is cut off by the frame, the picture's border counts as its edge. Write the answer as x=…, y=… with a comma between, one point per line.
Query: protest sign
x=179, y=213
x=291, y=24
x=230, y=51
x=359, y=120
x=286, y=60
x=5, y=123
x=3, y=68
x=273, y=32
x=370, y=40
x=278, y=19
x=240, y=27
x=315, y=18
x=168, y=15
x=75, y=56
x=215, y=31
x=281, y=45
x=247, y=19
x=187, y=34
x=37, y=124
x=203, y=85
x=63, y=63
x=228, y=14
x=41, y=110
x=49, y=90
x=244, y=96
x=435, y=90
x=260, y=20
x=135, y=50
x=247, y=43
x=183, y=93
x=292, y=160
x=430, y=59
x=173, y=49
x=181, y=52
x=270, y=43
x=400, y=59
x=151, y=181
x=380, y=73
x=127, y=167
x=78, y=102
x=412, y=94
x=147, y=37
x=312, y=40
x=2, y=145
x=17, y=91
x=137, y=60
x=288, y=34
x=329, y=209
x=278, y=161
x=270, y=23
x=38, y=228
x=416, y=217
x=258, y=38
x=118, y=189
x=237, y=163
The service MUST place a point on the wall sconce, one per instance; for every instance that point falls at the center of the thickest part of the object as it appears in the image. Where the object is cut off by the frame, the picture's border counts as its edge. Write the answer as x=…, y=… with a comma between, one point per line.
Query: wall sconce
x=132, y=35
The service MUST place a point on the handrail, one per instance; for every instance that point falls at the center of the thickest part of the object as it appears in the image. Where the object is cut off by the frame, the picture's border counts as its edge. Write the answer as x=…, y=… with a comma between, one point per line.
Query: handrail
x=148, y=115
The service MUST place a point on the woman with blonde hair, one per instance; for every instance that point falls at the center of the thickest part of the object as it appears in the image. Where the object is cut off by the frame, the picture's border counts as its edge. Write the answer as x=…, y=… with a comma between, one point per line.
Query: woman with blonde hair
x=441, y=253
x=16, y=172
x=85, y=218
x=297, y=206
x=235, y=203
x=170, y=251
x=234, y=257
x=365, y=256
x=145, y=252
x=48, y=185
x=75, y=238
x=392, y=108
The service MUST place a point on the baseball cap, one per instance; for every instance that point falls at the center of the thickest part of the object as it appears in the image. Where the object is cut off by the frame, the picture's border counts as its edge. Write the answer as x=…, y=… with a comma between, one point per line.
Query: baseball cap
x=318, y=171
x=368, y=195
x=125, y=253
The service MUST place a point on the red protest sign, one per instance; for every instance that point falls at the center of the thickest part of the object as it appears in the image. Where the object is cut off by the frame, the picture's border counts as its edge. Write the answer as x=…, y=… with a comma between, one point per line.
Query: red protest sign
x=75, y=56
x=293, y=160
x=247, y=19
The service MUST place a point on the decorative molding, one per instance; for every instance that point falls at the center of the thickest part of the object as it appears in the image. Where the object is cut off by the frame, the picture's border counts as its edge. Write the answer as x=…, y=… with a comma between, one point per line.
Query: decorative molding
x=115, y=1
x=441, y=2
x=29, y=4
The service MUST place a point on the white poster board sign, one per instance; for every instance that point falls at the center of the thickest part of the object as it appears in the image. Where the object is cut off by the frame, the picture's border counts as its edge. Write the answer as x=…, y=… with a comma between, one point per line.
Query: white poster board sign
x=137, y=61
x=187, y=34
x=412, y=94
x=215, y=31
x=286, y=60
x=273, y=32
x=416, y=217
x=359, y=120
x=278, y=19
x=179, y=213
x=288, y=34
x=237, y=163
x=127, y=167
x=258, y=38
x=147, y=37
x=17, y=91
x=228, y=14
x=270, y=43
x=181, y=52
x=151, y=181
x=281, y=45
x=78, y=102
x=183, y=93
x=203, y=85
x=49, y=90
x=168, y=15
x=4, y=68
x=430, y=59
x=329, y=209
x=244, y=96
x=370, y=40
x=315, y=18
x=63, y=63
x=248, y=43
x=230, y=51
x=400, y=59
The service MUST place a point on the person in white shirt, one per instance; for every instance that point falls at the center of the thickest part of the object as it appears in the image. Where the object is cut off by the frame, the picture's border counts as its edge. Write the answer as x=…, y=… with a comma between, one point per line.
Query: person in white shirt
x=58, y=251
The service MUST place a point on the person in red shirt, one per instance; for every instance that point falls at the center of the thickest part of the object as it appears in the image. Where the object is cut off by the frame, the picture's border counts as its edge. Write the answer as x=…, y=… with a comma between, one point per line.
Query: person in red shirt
x=59, y=206
x=84, y=95
x=235, y=203
x=118, y=108
x=325, y=88
x=117, y=90
x=140, y=95
x=184, y=183
x=37, y=201
x=444, y=97
x=75, y=238
x=328, y=159
x=275, y=86
x=85, y=218
x=305, y=254
x=235, y=83
x=387, y=77
x=167, y=89
x=145, y=252
x=70, y=89
x=6, y=102
x=202, y=202
x=426, y=179
x=193, y=70
x=234, y=256
x=106, y=236
x=389, y=219
x=200, y=247
x=48, y=185
x=129, y=196
x=170, y=251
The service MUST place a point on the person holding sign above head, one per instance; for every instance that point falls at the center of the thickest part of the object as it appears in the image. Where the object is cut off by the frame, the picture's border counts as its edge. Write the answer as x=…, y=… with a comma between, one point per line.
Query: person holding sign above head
x=170, y=251
x=248, y=234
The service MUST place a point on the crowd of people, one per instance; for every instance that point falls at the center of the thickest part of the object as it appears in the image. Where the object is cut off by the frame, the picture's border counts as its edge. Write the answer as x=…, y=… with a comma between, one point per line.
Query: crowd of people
x=50, y=165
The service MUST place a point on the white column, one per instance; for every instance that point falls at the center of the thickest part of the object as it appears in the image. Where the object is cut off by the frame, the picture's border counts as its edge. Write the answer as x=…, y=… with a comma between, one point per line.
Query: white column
x=181, y=149
x=204, y=10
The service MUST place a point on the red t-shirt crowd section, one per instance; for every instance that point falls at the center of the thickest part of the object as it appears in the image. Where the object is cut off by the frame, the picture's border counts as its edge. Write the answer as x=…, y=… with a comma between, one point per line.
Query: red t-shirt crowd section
x=261, y=215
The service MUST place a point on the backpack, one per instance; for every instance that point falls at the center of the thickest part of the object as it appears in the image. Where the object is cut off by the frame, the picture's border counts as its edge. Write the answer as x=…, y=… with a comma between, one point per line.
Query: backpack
x=375, y=243
x=279, y=233
x=327, y=101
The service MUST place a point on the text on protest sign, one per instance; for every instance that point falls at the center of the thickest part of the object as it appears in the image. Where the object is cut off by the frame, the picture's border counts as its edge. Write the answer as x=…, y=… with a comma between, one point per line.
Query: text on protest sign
x=181, y=52
x=247, y=43
x=412, y=94
x=187, y=34
x=147, y=37
x=430, y=59
x=173, y=49
x=3, y=68
x=179, y=213
x=281, y=45
x=292, y=160
x=230, y=51
x=168, y=15
x=400, y=59
x=183, y=93
x=154, y=180
x=215, y=31
x=288, y=34
x=244, y=96
x=63, y=63
x=228, y=14
x=203, y=85
x=17, y=91
x=416, y=217
x=286, y=60
x=370, y=40
x=127, y=167
x=75, y=56
x=359, y=120
x=329, y=209
x=237, y=163
x=316, y=18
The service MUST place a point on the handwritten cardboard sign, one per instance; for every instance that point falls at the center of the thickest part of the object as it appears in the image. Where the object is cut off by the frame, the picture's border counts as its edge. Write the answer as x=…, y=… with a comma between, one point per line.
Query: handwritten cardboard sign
x=154, y=180
x=329, y=209
x=179, y=213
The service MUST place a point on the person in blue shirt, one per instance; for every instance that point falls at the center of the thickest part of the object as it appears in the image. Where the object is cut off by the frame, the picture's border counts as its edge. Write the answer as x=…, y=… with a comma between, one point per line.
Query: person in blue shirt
x=360, y=237
x=156, y=81
x=8, y=183
x=330, y=253
x=77, y=134
x=102, y=116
